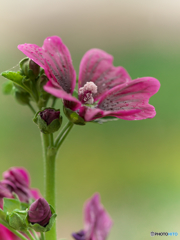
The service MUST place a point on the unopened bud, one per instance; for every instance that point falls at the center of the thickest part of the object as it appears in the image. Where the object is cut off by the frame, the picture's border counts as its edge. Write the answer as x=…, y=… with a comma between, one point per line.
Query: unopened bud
x=34, y=67
x=22, y=97
x=48, y=120
x=39, y=212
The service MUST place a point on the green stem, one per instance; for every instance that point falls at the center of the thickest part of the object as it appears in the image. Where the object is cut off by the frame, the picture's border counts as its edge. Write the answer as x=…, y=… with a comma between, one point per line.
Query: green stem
x=64, y=134
x=13, y=230
x=67, y=127
x=49, y=171
x=31, y=107
x=35, y=234
x=53, y=102
x=42, y=236
x=29, y=235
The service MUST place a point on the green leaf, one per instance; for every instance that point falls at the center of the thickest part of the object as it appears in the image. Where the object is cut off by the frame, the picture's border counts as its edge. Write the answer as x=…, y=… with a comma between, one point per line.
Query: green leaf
x=73, y=117
x=15, y=77
x=2, y=215
x=7, y=87
x=18, y=220
x=10, y=204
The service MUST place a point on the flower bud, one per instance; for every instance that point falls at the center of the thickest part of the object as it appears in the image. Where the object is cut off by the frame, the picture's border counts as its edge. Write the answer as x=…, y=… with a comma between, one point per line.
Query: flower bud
x=22, y=97
x=48, y=120
x=24, y=65
x=34, y=67
x=39, y=212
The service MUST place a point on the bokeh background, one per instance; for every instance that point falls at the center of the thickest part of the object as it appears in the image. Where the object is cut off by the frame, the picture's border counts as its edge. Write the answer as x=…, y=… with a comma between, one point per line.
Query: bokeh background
x=133, y=165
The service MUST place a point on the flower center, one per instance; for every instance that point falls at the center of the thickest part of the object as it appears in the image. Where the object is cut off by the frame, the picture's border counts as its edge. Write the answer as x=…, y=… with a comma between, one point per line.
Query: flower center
x=86, y=93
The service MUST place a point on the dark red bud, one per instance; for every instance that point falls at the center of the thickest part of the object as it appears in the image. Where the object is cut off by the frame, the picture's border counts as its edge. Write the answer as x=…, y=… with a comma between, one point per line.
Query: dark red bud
x=39, y=212
x=48, y=115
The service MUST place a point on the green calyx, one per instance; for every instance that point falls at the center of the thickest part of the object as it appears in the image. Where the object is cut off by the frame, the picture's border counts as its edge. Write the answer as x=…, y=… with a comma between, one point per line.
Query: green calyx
x=43, y=124
x=29, y=68
x=39, y=228
x=73, y=117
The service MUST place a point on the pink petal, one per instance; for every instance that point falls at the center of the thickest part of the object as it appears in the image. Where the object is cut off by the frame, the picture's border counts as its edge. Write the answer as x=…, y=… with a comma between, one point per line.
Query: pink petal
x=90, y=114
x=59, y=63
x=97, y=220
x=19, y=175
x=131, y=96
x=33, y=52
x=5, y=234
x=75, y=103
x=55, y=59
x=97, y=66
x=35, y=193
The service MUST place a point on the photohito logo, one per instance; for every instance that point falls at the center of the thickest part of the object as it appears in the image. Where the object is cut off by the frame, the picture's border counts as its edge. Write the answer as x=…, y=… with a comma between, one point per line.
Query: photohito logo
x=163, y=234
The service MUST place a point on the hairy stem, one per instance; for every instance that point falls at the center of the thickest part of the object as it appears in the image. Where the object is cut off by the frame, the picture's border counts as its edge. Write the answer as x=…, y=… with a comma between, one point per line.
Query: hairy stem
x=49, y=154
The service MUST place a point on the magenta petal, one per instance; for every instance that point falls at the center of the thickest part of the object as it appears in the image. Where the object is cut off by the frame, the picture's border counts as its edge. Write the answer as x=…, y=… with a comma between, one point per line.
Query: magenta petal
x=35, y=193
x=131, y=96
x=33, y=52
x=97, y=66
x=90, y=114
x=97, y=221
x=59, y=63
x=5, y=234
x=62, y=94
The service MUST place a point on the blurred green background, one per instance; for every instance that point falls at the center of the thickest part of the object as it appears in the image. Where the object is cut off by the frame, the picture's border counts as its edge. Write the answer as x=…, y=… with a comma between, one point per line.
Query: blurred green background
x=133, y=165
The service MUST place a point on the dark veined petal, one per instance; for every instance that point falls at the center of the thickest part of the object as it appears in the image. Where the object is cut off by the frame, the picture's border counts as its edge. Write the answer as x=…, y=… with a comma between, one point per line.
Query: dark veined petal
x=33, y=52
x=97, y=66
x=62, y=94
x=55, y=59
x=131, y=96
x=59, y=63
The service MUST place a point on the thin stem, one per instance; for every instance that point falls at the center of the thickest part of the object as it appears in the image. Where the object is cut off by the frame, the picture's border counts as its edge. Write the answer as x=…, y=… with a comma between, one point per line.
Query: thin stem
x=64, y=134
x=49, y=172
x=29, y=234
x=51, y=139
x=42, y=236
x=65, y=128
x=13, y=230
x=35, y=234
x=31, y=107
x=53, y=102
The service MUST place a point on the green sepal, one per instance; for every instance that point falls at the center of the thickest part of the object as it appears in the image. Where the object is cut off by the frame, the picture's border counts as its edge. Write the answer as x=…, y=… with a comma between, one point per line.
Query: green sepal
x=7, y=87
x=24, y=65
x=10, y=204
x=39, y=228
x=2, y=215
x=105, y=119
x=73, y=116
x=18, y=220
x=22, y=97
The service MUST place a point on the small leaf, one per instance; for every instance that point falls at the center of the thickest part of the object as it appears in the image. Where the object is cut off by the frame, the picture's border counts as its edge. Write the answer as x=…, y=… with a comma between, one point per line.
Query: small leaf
x=7, y=87
x=10, y=204
x=17, y=220
x=2, y=215
x=16, y=77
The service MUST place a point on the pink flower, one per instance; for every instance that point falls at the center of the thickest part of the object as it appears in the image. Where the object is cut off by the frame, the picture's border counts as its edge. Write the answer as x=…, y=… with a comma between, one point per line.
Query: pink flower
x=104, y=90
x=97, y=222
x=5, y=234
x=17, y=180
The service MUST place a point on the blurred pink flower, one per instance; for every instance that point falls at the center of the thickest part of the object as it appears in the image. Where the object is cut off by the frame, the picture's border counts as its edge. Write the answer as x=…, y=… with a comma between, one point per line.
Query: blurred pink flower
x=5, y=234
x=17, y=180
x=97, y=222
x=104, y=90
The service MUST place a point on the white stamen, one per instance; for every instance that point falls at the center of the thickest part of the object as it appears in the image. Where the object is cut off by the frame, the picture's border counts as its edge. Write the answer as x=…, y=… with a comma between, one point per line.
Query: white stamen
x=88, y=89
